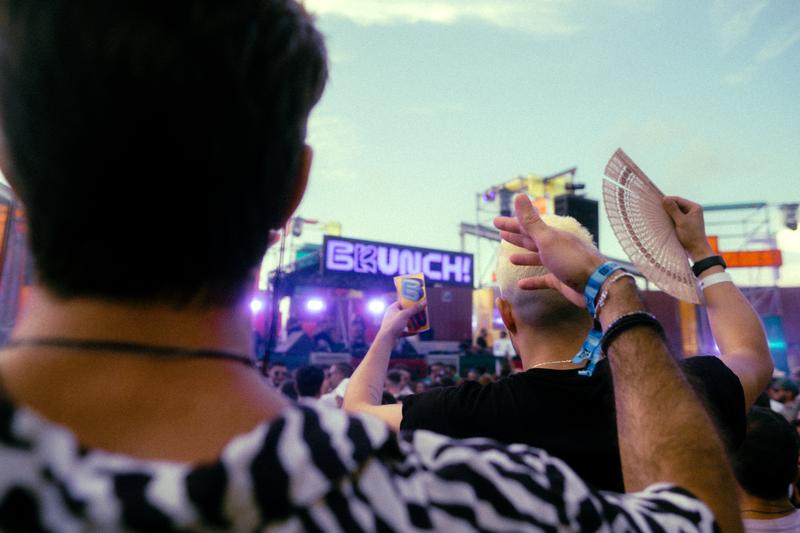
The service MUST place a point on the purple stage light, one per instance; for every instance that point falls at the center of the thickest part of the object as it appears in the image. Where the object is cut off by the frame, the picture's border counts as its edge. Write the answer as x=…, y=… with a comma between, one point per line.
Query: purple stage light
x=376, y=306
x=256, y=305
x=315, y=305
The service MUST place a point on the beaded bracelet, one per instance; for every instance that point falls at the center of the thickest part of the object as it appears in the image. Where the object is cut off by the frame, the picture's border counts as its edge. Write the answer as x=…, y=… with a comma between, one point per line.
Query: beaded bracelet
x=601, y=301
x=628, y=321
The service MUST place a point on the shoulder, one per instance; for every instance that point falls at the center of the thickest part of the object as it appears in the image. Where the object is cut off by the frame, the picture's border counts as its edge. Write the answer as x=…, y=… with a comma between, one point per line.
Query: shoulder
x=723, y=394
x=458, y=393
x=526, y=487
x=711, y=372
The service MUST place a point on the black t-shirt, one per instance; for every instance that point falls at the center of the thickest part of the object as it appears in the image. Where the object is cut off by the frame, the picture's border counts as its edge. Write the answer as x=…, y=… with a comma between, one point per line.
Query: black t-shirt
x=569, y=415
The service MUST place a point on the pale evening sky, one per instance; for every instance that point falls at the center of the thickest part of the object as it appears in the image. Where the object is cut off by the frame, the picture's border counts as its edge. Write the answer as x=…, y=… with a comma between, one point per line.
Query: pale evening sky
x=432, y=101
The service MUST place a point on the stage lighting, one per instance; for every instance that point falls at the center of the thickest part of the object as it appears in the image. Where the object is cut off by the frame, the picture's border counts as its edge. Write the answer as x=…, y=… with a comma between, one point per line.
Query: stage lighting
x=315, y=305
x=256, y=305
x=376, y=306
x=790, y=215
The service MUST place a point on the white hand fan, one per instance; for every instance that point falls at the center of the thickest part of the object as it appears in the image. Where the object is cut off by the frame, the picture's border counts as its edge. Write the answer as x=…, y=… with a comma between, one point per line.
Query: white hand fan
x=645, y=230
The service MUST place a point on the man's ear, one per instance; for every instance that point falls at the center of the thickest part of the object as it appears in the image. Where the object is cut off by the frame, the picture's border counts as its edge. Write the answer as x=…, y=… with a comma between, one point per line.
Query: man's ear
x=300, y=183
x=505, y=313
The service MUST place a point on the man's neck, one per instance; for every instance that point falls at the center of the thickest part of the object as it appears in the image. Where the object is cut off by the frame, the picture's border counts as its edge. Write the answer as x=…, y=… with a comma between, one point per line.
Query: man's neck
x=759, y=509
x=188, y=408
x=537, y=347
x=220, y=328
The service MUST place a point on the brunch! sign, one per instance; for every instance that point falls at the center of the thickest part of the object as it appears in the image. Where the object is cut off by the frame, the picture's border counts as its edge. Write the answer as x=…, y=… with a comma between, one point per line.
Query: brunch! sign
x=382, y=259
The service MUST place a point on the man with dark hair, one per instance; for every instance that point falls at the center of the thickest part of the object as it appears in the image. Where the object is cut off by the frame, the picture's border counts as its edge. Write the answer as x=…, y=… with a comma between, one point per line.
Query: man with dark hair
x=765, y=467
x=338, y=373
x=277, y=374
x=308, y=381
x=394, y=383
x=155, y=145
x=786, y=398
x=338, y=378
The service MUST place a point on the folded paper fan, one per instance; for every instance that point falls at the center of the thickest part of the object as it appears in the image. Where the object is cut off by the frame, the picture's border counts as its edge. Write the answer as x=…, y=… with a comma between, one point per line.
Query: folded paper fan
x=645, y=230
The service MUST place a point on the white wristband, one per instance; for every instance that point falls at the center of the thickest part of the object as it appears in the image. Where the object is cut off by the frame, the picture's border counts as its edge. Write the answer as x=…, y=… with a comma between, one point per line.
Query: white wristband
x=713, y=279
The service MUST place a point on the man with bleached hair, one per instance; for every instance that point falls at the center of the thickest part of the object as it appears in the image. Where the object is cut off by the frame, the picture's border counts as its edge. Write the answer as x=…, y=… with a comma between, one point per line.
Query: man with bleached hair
x=552, y=404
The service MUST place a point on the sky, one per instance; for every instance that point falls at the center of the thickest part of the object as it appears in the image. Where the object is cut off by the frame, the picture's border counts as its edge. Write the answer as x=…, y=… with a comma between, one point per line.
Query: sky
x=431, y=102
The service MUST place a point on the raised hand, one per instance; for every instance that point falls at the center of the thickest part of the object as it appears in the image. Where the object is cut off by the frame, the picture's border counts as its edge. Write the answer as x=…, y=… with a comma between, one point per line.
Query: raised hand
x=569, y=259
x=689, y=225
x=395, y=319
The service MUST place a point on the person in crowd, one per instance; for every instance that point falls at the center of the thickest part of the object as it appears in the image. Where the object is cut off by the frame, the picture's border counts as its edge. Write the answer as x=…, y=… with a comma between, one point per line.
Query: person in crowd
x=405, y=380
x=536, y=234
x=765, y=466
x=550, y=405
x=420, y=387
x=198, y=111
x=308, y=381
x=358, y=339
x=323, y=337
x=502, y=347
x=394, y=383
x=289, y=389
x=482, y=341
x=338, y=378
x=277, y=374
x=503, y=351
x=472, y=375
x=337, y=373
x=486, y=378
x=297, y=341
x=450, y=373
x=435, y=373
x=785, y=398
x=387, y=398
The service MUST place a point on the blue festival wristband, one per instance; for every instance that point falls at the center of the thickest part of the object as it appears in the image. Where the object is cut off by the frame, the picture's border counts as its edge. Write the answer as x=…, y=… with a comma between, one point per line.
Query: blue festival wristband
x=590, y=350
x=595, y=281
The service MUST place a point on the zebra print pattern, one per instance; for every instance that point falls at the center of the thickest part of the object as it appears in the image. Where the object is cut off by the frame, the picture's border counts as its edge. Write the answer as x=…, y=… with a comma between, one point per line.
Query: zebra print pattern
x=316, y=469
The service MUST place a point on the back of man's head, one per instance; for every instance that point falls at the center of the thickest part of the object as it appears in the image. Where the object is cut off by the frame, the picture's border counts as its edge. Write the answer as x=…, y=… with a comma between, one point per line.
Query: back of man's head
x=766, y=462
x=344, y=369
x=309, y=380
x=789, y=388
x=546, y=308
x=155, y=144
x=394, y=377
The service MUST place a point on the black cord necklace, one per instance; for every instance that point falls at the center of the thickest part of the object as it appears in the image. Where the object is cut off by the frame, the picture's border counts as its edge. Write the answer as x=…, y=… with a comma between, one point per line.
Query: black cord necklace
x=769, y=512
x=128, y=347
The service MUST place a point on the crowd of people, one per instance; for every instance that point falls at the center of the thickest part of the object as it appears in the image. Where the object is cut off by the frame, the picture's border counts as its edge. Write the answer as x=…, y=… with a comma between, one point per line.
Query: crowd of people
x=129, y=398
x=321, y=382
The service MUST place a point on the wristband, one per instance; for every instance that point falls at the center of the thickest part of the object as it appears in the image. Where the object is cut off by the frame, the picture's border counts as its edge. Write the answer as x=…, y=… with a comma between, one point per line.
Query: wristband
x=590, y=350
x=628, y=321
x=713, y=279
x=704, y=264
x=595, y=281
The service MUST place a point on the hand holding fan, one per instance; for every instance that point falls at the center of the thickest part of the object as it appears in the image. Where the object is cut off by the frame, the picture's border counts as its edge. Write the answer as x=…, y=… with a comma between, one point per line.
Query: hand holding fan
x=645, y=230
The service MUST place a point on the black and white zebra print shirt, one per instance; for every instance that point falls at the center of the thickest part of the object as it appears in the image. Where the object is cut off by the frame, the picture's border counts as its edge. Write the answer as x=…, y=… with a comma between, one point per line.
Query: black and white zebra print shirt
x=315, y=469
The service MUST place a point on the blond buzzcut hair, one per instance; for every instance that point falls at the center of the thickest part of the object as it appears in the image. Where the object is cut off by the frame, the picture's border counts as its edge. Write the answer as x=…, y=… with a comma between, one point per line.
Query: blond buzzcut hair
x=545, y=307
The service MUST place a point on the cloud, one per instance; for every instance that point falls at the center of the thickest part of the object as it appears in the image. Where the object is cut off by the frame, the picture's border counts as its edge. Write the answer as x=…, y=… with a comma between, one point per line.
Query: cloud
x=732, y=22
x=740, y=78
x=738, y=29
x=778, y=45
x=337, y=147
x=543, y=17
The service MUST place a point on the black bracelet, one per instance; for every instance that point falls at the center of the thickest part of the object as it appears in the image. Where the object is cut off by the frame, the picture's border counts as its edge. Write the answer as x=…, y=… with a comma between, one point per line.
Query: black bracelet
x=704, y=264
x=628, y=321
